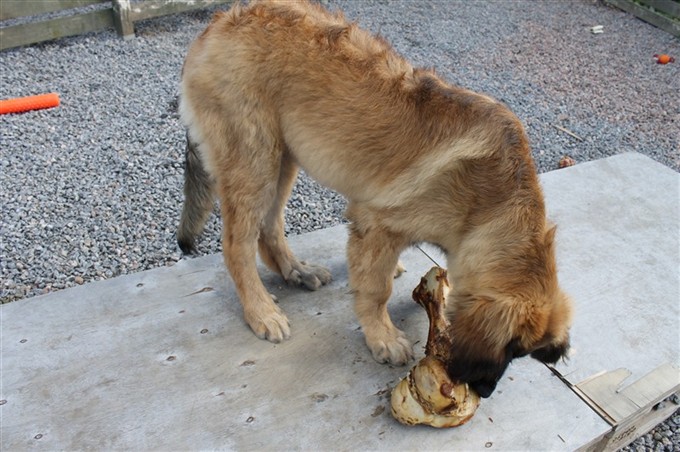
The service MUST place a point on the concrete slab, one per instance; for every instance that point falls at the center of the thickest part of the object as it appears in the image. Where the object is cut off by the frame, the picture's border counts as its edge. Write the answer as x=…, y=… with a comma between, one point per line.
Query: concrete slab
x=619, y=258
x=163, y=360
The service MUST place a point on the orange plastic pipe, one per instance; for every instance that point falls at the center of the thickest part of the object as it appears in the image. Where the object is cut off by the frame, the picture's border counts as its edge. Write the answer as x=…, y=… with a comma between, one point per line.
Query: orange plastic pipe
x=21, y=104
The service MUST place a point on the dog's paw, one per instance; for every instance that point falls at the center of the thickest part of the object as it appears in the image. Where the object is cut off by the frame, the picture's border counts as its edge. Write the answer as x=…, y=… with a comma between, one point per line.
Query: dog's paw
x=393, y=348
x=269, y=323
x=309, y=275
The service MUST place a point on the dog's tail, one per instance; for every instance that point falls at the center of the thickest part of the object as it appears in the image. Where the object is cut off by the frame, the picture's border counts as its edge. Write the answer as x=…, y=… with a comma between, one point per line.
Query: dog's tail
x=198, y=199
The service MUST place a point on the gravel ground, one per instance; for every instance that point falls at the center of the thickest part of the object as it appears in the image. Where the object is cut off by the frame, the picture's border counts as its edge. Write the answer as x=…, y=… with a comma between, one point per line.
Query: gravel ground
x=92, y=189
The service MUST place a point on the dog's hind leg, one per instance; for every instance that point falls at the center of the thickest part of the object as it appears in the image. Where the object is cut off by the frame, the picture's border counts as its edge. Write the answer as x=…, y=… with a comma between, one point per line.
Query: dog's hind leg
x=198, y=199
x=246, y=192
x=274, y=249
x=373, y=253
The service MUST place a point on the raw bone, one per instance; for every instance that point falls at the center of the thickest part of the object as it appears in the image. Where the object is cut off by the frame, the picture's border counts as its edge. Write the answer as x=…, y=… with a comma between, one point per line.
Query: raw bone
x=427, y=395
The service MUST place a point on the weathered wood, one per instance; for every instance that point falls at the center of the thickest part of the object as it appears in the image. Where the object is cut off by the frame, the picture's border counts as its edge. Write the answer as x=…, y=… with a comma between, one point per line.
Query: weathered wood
x=601, y=391
x=638, y=425
x=622, y=404
x=11, y=9
x=670, y=7
x=31, y=33
x=121, y=16
x=122, y=19
x=157, y=8
x=668, y=25
x=633, y=427
x=654, y=387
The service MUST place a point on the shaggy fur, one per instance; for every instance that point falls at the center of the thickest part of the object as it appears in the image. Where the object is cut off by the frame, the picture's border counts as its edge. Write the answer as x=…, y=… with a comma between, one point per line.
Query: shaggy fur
x=274, y=86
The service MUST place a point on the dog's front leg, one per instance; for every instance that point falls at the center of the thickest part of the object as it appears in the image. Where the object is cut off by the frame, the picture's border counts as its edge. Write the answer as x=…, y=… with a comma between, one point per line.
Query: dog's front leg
x=373, y=254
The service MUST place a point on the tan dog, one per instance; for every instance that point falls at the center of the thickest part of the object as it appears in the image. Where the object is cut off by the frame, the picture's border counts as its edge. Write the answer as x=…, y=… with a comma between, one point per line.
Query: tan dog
x=275, y=86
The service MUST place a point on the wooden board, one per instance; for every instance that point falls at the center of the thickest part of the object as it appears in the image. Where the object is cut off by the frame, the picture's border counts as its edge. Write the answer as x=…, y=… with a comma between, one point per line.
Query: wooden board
x=126, y=13
x=669, y=7
x=667, y=24
x=12, y=9
x=30, y=33
x=156, y=8
x=120, y=16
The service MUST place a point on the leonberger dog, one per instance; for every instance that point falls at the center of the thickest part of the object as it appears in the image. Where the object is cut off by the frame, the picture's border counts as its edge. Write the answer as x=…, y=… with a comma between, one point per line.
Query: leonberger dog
x=279, y=85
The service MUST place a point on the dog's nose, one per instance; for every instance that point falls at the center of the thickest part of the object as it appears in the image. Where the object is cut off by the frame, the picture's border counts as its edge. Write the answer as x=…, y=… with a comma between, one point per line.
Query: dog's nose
x=484, y=387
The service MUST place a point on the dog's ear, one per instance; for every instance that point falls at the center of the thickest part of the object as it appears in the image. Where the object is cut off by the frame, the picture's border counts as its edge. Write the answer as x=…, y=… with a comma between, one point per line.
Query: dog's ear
x=555, y=343
x=482, y=347
x=552, y=352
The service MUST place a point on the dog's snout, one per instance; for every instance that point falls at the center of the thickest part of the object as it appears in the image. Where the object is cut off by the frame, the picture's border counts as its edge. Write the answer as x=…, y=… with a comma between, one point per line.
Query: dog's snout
x=484, y=387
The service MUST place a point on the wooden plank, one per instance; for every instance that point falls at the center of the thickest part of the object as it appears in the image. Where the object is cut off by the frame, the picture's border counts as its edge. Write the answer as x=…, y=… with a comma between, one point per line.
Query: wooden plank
x=634, y=427
x=19, y=35
x=655, y=386
x=672, y=8
x=603, y=414
x=628, y=431
x=156, y=8
x=11, y=9
x=122, y=19
x=602, y=391
x=620, y=404
x=643, y=13
x=122, y=16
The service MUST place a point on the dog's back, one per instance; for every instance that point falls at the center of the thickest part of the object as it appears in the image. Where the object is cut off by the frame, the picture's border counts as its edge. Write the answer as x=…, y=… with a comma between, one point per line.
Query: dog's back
x=357, y=116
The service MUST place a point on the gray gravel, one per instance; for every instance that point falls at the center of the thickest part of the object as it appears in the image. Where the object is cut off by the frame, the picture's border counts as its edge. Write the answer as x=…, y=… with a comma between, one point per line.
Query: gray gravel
x=92, y=189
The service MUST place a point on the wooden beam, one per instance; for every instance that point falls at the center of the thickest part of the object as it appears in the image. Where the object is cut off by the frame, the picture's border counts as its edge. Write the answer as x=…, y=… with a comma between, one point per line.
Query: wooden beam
x=672, y=8
x=156, y=8
x=633, y=410
x=122, y=19
x=19, y=35
x=122, y=16
x=666, y=24
x=11, y=9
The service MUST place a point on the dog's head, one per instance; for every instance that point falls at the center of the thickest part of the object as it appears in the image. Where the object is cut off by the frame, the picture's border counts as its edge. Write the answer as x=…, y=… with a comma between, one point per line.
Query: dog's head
x=515, y=312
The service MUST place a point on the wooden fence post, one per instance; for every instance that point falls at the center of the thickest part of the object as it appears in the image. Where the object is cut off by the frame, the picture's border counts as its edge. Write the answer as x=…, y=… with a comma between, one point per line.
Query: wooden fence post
x=122, y=20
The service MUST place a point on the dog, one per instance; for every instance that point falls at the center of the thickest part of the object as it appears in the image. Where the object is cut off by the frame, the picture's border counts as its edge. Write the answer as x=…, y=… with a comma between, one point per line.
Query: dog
x=276, y=86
